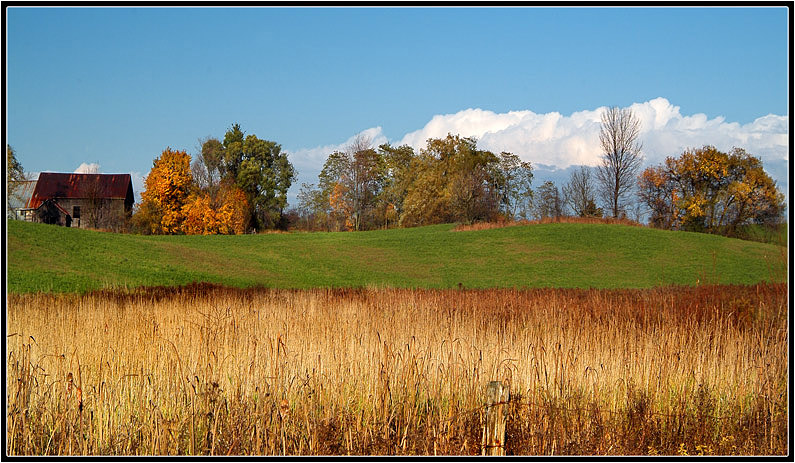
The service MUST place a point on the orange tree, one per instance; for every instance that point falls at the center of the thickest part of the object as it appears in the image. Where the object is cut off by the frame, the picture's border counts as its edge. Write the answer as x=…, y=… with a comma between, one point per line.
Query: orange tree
x=225, y=213
x=168, y=186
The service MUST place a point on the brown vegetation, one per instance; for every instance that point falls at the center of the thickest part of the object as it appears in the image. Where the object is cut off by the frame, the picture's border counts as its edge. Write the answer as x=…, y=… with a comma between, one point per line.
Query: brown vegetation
x=209, y=370
x=561, y=219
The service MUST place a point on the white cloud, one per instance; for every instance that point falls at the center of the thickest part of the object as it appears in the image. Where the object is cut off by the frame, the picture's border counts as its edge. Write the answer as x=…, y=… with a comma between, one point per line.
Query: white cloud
x=469, y=123
x=84, y=168
x=563, y=141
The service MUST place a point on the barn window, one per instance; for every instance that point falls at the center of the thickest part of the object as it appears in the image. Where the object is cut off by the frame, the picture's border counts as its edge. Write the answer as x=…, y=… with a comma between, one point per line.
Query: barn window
x=76, y=212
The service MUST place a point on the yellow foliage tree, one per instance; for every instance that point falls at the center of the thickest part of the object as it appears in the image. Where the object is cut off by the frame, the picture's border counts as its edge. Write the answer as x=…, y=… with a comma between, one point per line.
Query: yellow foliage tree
x=341, y=210
x=234, y=209
x=706, y=189
x=228, y=217
x=199, y=216
x=168, y=186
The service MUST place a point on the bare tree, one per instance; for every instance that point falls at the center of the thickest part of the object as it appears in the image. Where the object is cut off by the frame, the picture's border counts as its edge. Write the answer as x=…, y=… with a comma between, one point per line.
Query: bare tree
x=621, y=157
x=99, y=212
x=206, y=166
x=313, y=208
x=580, y=193
x=362, y=167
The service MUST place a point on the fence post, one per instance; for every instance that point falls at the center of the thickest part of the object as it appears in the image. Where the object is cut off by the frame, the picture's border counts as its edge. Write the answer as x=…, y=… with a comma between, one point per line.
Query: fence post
x=497, y=395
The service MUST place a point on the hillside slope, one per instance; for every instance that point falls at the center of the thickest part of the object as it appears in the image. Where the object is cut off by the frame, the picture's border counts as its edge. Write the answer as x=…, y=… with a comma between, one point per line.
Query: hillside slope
x=49, y=258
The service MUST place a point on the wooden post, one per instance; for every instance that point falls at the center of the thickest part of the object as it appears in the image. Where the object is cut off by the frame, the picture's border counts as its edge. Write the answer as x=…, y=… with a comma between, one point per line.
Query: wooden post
x=497, y=395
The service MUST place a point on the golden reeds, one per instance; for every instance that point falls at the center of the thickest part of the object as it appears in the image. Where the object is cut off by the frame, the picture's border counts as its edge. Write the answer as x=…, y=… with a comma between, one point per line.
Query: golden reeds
x=205, y=370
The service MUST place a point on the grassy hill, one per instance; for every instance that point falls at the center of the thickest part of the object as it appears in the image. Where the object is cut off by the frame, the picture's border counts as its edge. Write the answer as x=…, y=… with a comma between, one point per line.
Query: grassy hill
x=49, y=258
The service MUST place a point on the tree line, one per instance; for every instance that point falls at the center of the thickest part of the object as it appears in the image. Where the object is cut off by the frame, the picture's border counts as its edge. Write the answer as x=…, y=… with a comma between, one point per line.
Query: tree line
x=239, y=184
x=451, y=180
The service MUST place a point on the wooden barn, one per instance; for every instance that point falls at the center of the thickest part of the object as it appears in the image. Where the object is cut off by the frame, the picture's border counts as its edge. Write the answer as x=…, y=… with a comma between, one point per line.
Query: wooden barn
x=102, y=201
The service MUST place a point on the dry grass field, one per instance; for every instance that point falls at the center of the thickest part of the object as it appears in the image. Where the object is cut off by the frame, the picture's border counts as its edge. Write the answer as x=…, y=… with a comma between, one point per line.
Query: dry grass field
x=210, y=370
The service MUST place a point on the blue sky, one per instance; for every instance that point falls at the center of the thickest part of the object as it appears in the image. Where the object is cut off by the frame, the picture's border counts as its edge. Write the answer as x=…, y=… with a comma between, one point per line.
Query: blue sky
x=116, y=86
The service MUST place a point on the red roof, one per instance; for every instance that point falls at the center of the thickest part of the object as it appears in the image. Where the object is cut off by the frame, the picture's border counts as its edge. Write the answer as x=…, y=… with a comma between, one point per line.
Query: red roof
x=57, y=185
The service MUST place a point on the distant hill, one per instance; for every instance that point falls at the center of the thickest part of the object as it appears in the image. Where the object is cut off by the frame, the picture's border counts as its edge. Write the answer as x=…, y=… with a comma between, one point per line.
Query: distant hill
x=56, y=259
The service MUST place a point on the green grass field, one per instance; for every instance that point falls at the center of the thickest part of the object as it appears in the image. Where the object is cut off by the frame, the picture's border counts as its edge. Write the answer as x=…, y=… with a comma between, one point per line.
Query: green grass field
x=56, y=259
x=776, y=235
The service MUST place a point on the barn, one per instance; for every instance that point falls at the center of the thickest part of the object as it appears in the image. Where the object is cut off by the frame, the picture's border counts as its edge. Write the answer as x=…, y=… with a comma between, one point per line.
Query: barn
x=101, y=201
x=19, y=193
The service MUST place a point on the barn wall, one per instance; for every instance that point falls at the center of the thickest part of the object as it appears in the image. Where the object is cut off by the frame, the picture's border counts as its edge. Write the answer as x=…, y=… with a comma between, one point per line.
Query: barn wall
x=48, y=213
x=104, y=214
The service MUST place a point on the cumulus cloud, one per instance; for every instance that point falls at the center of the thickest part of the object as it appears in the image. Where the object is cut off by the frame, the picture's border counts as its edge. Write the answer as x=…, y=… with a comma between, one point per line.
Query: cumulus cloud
x=562, y=141
x=313, y=158
x=84, y=168
x=549, y=138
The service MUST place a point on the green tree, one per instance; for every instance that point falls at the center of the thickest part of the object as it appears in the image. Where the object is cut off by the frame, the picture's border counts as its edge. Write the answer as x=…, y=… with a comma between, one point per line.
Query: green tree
x=313, y=208
x=397, y=178
x=470, y=196
x=333, y=183
x=206, y=166
x=449, y=180
x=427, y=198
x=456, y=182
x=367, y=180
x=513, y=178
x=258, y=167
x=14, y=170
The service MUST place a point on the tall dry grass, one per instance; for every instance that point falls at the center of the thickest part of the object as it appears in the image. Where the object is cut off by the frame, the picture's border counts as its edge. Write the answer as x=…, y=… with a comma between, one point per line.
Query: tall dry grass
x=205, y=370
